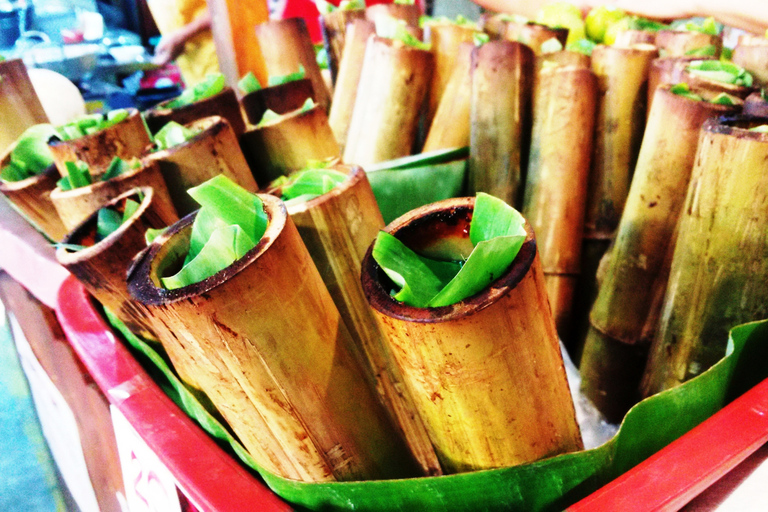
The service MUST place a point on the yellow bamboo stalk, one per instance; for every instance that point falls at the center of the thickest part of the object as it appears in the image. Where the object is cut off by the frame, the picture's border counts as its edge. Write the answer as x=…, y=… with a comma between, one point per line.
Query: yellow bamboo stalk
x=500, y=118
x=458, y=360
x=279, y=98
x=676, y=43
x=285, y=45
x=286, y=144
x=558, y=171
x=214, y=150
x=718, y=273
x=334, y=27
x=392, y=88
x=127, y=139
x=224, y=105
x=350, y=69
x=272, y=332
x=20, y=107
x=533, y=34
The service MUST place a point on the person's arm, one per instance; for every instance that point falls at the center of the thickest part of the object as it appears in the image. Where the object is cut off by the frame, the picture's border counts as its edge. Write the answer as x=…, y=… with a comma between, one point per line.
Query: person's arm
x=171, y=45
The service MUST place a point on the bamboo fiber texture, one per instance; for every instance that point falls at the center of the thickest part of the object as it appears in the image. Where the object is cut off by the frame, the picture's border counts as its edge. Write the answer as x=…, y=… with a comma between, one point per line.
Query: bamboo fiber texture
x=223, y=104
x=334, y=27
x=127, y=139
x=20, y=107
x=486, y=373
x=276, y=344
x=500, y=119
x=285, y=45
x=337, y=229
x=214, y=150
x=32, y=197
x=392, y=88
x=558, y=171
x=720, y=263
x=76, y=205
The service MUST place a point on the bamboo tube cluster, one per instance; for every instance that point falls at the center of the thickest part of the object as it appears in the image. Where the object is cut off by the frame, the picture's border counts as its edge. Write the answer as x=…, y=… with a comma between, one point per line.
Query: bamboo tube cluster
x=558, y=172
x=334, y=27
x=720, y=263
x=127, y=139
x=32, y=197
x=223, y=104
x=678, y=43
x=214, y=150
x=272, y=336
x=616, y=346
x=486, y=373
x=20, y=107
x=280, y=99
x=393, y=85
x=285, y=45
x=500, y=118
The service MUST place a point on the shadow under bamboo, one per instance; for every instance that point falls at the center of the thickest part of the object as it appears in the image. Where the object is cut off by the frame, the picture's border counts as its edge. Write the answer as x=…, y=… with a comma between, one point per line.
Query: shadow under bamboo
x=286, y=144
x=280, y=99
x=500, y=119
x=391, y=91
x=223, y=104
x=127, y=139
x=558, y=172
x=457, y=360
x=533, y=34
x=32, y=198
x=346, y=86
x=20, y=107
x=272, y=332
x=214, y=150
x=678, y=43
x=334, y=27
x=286, y=45
x=720, y=264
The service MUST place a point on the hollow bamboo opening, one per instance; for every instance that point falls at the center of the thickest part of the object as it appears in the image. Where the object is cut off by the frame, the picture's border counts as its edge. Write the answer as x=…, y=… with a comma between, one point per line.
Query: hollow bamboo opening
x=223, y=104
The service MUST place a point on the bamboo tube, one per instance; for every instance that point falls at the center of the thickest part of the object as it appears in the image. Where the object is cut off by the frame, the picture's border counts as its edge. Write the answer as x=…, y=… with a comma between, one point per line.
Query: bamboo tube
x=457, y=360
x=285, y=45
x=32, y=198
x=275, y=334
x=500, y=119
x=334, y=27
x=337, y=229
x=492, y=24
x=533, y=34
x=410, y=14
x=76, y=205
x=563, y=58
x=753, y=58
x=280, y=99
x=450, y=126
x=756, y=105
x=288, y=143
x=677, y=43
x=446, y=39
x=224, y=105
x=392, y=88
x=20, y=107
x=709, y=89
x=215, y=150
x=720, y=264
x=558, y=171
x=127, y=139
x=667, y=70
x=350, y=69
x=633, y=37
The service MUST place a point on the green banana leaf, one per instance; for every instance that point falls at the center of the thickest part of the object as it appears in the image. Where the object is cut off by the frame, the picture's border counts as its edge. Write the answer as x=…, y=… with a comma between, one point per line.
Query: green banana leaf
x=249, y=83
x=406, y=183
x=550, y=484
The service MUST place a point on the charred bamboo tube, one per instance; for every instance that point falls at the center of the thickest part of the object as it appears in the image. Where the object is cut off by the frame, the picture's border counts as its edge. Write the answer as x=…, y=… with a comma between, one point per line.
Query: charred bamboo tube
x=214, y=150
x=296, y=364
x=450, y=126
x=667, y=70
x=127, y=139
x=756, y=105
x=633, y=275
x=720, y=264
x=350, y=69
x=677, y=43
x=457, y=359
x=337, y=229
x=446, y=39
x=334, y=27
x=633, y=37
x=500, y=118
x=20, y=107
x=285, y=45
x=392, y=89
x=286, y=144
x=224, y=105
x=558, y=171
x=280, y=99
x=410, y=14
x=753, y=58
x=76, y=205
x=533, y=35
x=32, y=197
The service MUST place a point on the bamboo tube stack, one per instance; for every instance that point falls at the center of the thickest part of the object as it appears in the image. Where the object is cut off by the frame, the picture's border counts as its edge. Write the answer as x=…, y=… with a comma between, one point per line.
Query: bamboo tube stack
x=280, y=99
x=296, y=365
x=500, y=119
x=285, y=45
x=558, y=171
x=678, y=43
x=720, y=263
x=457, y=359
x=616, y=346
x=20, y=107
x=392, y=88
x=334, y=27
x=223, y=104
x=214, y=150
